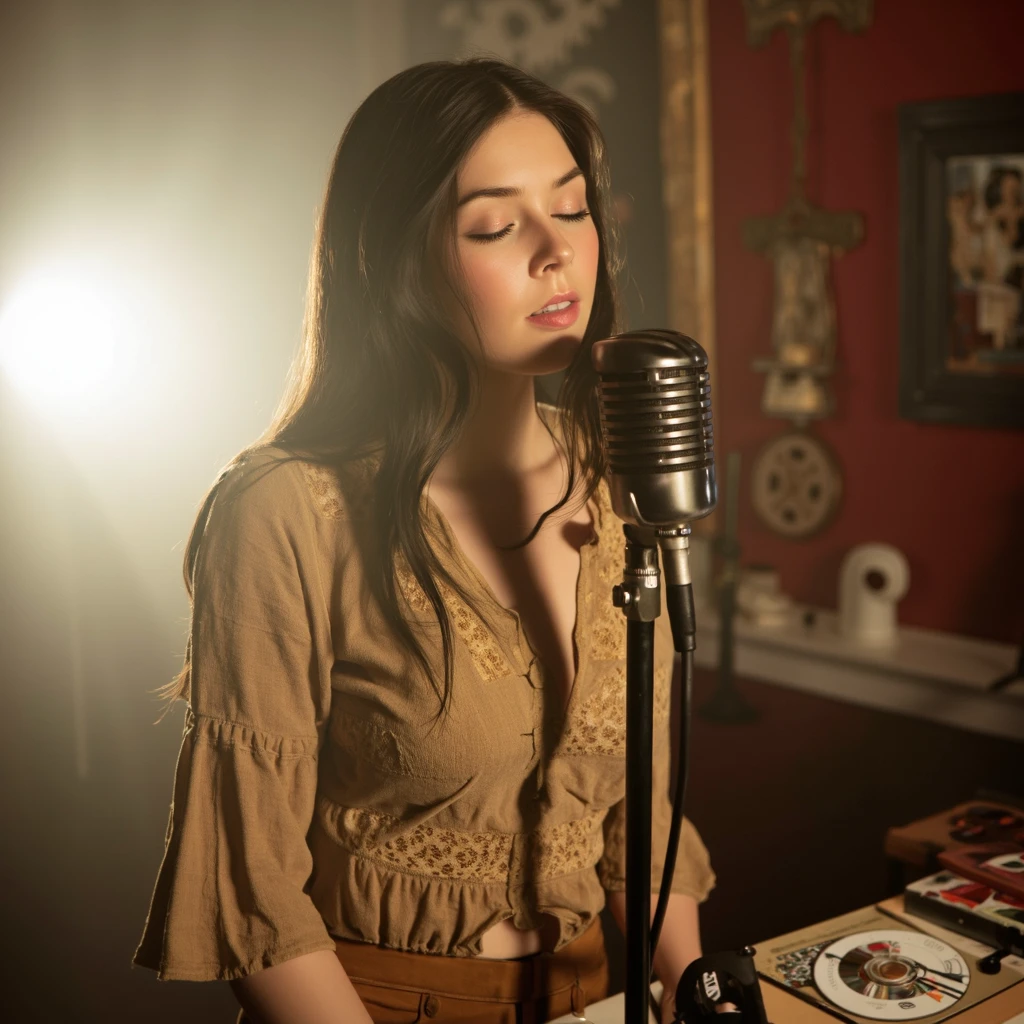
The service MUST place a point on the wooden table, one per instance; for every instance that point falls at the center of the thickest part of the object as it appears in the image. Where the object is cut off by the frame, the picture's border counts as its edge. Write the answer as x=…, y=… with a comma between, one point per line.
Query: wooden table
x=1007, y=1007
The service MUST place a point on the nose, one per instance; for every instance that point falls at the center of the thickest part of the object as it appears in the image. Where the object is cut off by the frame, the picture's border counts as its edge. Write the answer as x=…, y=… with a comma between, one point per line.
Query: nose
x=553, y=250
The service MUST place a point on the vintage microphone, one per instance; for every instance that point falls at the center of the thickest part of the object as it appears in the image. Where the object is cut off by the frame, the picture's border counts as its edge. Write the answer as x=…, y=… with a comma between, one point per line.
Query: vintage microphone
x=654, y=398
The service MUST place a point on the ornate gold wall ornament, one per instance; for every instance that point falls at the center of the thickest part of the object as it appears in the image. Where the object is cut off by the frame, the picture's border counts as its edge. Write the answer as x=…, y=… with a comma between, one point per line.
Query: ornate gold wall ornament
x=797, y=482
x=765, y=16
x=801, y=239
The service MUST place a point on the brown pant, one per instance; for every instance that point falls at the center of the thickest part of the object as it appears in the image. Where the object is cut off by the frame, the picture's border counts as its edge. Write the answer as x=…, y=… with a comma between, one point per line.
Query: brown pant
x=406, y=988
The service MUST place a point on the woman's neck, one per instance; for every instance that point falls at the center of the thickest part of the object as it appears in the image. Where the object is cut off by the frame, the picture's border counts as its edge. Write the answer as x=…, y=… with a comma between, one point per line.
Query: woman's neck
x=503, y=435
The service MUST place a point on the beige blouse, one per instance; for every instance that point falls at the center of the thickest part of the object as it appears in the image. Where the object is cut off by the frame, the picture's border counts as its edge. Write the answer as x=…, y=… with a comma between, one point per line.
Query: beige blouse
x=316, y=795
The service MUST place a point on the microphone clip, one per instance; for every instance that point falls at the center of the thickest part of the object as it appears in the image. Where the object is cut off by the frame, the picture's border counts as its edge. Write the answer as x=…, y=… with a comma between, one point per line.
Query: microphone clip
x=639, y=593
x=719, y=978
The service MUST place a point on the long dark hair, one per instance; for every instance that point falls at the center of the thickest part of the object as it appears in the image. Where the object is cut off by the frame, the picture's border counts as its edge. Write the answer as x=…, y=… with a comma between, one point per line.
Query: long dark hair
x=381, y=371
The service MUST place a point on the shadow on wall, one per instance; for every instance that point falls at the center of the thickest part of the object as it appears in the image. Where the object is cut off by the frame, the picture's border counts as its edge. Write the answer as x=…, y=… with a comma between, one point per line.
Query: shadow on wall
x=86, y=816
x=1000, y=579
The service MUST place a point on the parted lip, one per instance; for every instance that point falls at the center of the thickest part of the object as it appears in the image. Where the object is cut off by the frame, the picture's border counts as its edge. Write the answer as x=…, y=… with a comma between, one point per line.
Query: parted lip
x=564, y=297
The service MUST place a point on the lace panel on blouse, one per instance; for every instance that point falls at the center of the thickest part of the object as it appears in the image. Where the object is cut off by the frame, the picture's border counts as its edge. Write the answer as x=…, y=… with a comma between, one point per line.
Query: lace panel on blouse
x=448, y=853
x=608, y=631
x=486, y=655
x=598, y=725
x=484, y=651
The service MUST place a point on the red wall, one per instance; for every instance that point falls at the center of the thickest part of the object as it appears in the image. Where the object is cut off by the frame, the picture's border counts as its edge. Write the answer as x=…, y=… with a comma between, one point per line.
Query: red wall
x=951, y=498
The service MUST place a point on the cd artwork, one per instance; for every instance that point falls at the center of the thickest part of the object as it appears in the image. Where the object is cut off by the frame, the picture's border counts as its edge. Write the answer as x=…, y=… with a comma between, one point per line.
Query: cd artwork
x=891, y=975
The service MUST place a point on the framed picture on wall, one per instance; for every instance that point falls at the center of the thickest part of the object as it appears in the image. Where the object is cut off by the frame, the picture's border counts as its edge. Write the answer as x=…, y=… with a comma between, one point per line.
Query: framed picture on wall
x=962, y=261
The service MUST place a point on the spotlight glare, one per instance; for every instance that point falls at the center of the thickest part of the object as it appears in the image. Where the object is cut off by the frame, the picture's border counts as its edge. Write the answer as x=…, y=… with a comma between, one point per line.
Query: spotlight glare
x=60, y=337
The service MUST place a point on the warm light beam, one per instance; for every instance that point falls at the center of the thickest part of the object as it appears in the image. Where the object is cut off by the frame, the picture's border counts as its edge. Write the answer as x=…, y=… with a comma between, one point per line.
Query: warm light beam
x=61, y=337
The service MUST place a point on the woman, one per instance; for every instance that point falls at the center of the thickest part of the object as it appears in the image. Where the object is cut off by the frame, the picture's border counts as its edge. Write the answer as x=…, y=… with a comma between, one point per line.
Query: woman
x=400, y=790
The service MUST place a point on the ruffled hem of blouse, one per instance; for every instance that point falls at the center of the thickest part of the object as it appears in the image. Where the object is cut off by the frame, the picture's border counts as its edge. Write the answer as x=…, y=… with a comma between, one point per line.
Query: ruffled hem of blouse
x=229, y=897
x=693, y=875
x=362, y=900
x=212, y=970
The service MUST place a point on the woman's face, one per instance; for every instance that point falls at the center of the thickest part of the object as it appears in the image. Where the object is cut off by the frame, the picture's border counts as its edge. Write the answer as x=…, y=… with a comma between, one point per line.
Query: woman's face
x=526, y=245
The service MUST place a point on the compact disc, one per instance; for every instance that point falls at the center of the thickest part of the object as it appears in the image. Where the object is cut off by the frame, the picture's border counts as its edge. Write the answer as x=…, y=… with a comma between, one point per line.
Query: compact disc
x=891, y=975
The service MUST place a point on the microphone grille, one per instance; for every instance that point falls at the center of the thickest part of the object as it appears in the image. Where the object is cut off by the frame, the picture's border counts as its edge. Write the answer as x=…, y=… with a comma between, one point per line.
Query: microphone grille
x=654, y=397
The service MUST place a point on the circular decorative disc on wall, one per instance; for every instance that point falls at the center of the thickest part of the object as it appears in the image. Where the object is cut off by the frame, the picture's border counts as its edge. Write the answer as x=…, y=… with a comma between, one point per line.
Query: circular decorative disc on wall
x=796, y=484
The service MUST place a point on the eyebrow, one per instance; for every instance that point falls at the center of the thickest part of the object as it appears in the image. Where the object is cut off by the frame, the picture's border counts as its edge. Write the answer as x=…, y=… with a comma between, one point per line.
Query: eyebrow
x=505, y=192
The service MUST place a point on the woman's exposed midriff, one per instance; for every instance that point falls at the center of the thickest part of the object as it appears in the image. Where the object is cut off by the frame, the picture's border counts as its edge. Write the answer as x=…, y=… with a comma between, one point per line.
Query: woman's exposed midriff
x=504, y=941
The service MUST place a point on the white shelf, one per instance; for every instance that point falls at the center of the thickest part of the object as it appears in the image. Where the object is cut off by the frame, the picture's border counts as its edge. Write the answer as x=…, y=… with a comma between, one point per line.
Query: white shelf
x=937, y=676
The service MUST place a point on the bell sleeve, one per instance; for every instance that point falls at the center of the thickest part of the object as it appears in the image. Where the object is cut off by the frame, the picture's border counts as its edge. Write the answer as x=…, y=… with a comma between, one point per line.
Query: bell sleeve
x=231, y=893
x=693, y=875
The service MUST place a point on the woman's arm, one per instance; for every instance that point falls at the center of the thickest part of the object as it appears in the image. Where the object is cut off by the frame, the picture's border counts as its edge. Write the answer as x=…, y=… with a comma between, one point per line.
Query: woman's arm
x=679, y=943
x=308, y=989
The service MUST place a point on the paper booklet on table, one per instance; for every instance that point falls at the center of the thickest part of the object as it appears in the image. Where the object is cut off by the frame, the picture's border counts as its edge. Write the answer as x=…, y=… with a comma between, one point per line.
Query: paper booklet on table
x=874, y=964
x=969, y=908
x=997, y=865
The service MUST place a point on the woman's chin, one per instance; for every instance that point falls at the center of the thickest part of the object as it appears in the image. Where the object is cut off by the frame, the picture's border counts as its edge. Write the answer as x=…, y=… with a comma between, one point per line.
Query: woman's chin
x=555, y=357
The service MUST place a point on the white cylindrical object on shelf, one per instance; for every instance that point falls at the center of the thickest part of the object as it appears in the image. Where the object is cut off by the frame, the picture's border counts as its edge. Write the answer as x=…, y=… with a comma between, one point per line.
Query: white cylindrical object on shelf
x=872, y=579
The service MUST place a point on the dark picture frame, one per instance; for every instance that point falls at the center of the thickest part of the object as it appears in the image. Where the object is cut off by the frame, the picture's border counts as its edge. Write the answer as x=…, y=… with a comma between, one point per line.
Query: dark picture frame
x=946, y=377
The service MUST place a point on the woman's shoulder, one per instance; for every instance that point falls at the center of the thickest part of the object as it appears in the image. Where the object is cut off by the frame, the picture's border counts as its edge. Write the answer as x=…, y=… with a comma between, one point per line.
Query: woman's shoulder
x=270, y=481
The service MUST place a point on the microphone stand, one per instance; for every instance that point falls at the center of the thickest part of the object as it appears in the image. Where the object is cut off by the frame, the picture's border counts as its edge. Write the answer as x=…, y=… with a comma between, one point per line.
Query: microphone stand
x=654, y=401
x=714, y=978
x=639, y=597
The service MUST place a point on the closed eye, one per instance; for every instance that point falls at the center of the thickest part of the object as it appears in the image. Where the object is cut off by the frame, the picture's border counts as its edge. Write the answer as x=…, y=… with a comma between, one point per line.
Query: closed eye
x=578, y=215
x=495, y=235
